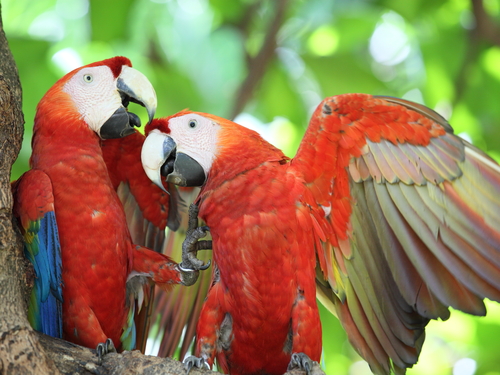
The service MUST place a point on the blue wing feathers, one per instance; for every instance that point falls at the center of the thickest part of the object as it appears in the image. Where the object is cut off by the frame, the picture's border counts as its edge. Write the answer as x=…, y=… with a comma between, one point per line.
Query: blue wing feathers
x=50, y=237
x=45, y=312
x=34, y=209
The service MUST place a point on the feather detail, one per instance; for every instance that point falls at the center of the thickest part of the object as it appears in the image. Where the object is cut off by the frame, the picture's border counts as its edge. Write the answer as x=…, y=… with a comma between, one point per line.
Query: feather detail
x=424, y=222
x=128, y=337
x=34, y=209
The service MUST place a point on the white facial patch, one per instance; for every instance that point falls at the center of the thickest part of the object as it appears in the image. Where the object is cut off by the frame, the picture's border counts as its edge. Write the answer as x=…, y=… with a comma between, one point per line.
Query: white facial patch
x=195, y=136
x=94, y=93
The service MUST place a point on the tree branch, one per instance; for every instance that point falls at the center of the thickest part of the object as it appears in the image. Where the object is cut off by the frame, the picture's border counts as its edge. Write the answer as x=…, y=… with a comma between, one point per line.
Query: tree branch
x=485, y=27
x=485, y=30
x=73, y=359
x=258, y=65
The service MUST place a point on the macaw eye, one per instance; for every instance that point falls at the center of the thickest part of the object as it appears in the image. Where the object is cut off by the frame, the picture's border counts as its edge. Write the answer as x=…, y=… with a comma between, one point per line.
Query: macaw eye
x=88, y=78
x=192, y=124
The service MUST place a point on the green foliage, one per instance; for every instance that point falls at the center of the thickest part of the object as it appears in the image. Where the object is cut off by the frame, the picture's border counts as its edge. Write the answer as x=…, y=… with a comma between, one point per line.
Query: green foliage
x=197, y=53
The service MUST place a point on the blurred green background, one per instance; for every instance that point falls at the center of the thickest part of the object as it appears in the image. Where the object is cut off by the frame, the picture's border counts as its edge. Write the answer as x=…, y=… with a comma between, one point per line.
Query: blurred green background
x=269, y=63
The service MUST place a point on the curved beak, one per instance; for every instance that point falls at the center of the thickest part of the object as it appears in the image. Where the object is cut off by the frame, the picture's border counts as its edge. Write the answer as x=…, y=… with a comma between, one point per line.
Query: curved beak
x=160, y=158
x=155, y=151
x=133, y=86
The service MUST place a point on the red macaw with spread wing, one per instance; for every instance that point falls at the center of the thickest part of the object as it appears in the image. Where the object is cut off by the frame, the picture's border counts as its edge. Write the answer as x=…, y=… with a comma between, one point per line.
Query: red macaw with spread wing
x=88, y=270
x=384, y=214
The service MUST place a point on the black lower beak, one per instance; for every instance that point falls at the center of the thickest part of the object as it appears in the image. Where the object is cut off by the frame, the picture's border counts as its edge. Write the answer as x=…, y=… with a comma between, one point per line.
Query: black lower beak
x=120, y=124
x=183, y=170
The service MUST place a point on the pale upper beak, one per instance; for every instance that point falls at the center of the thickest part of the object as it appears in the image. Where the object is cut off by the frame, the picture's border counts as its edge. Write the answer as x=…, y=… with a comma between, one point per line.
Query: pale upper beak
x=133, y=86
x=154, y=155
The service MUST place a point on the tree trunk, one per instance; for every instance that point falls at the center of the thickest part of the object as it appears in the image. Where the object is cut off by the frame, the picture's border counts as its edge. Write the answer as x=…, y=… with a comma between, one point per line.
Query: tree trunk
x=20, y=350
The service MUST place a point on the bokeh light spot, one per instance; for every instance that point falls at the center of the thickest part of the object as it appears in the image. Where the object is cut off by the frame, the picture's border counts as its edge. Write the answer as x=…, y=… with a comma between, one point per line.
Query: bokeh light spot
x=492, y=7
x=47, y=26
x=323, y=41
x=389, y=44
x=465, y=366
x=67, y=59
x=491, y=62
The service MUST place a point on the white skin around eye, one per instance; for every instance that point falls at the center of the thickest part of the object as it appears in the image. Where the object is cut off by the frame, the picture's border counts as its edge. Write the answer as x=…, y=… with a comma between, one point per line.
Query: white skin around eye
x=195, y=136
x=93, y=90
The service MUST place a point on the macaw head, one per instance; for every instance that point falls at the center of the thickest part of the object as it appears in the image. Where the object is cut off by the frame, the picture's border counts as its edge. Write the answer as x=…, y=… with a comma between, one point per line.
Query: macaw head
x=181, y=148
x=98, y=94
x=188, y=148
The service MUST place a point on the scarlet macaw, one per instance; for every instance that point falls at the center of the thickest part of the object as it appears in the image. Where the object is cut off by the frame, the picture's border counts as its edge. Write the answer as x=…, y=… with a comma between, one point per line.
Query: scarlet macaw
x=73, y=222
x=384, y=214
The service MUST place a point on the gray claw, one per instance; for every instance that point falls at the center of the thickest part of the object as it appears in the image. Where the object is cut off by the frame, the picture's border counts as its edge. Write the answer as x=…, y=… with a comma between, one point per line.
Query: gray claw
x=104, y=348
x=301, y=361
x=190, y=248
x=203, y=268
x=191, y=245
x=192, y=361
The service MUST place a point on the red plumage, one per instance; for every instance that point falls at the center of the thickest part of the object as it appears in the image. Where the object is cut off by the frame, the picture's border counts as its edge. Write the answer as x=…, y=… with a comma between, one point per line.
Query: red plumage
x=92, y=227
x=98, y=255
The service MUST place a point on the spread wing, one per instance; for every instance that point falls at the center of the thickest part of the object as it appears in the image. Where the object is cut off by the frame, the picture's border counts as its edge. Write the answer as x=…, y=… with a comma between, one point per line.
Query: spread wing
x=34, y=211
x=412, y=222
x=155, y=221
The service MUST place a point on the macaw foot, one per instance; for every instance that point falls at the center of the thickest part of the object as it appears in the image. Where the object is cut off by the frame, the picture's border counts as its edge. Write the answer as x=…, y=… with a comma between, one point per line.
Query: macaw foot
x=104, y=348
x=303, y=362
x=192, y=361
x=190, y=265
